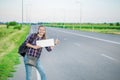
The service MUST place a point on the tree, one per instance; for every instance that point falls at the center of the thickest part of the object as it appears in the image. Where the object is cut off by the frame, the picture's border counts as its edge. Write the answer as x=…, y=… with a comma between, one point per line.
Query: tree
x=111, y=24
x=12, y=23
x=117, y=24
x=7, y=24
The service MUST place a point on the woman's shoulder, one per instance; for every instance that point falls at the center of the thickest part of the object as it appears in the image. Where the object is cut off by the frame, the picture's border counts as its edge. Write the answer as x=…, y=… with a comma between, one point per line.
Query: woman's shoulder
x=33, y=34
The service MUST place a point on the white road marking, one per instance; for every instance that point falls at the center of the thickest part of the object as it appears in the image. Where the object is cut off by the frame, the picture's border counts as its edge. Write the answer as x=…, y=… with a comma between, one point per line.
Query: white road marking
x=38, y=76
x=77, y=44
x=111, y=58
x=114, y=42
x=106, y=56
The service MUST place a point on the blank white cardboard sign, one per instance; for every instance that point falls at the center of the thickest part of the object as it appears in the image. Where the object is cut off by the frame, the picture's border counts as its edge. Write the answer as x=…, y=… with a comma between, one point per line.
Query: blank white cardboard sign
x=45, y=43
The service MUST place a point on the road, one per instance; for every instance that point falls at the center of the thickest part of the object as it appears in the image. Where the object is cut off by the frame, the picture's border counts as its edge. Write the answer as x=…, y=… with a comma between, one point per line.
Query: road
x=80, y=56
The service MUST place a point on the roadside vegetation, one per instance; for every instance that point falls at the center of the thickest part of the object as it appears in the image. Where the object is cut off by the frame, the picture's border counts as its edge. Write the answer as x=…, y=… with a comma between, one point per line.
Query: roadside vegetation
x=10, y=39
x=109, y=28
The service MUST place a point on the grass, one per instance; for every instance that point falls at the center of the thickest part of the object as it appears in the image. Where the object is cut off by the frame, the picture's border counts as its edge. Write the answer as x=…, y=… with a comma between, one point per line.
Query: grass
x=8, y=50
x=91, y=27
x=4, y=32
x=106, y=31
x=7, y=64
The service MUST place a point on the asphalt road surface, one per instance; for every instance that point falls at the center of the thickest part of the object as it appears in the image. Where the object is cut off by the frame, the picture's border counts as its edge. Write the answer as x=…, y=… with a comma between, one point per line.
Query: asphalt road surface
x=79, y=56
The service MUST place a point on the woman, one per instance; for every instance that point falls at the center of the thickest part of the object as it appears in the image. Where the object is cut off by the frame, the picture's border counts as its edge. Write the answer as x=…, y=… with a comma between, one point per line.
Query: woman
x=34, y=50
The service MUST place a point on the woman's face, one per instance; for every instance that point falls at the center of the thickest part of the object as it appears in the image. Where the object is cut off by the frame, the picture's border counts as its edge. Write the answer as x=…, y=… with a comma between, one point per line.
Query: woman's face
x=42, y=31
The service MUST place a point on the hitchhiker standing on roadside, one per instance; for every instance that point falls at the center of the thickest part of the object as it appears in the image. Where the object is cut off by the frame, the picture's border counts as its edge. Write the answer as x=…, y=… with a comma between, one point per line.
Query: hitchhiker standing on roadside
x=34, y=50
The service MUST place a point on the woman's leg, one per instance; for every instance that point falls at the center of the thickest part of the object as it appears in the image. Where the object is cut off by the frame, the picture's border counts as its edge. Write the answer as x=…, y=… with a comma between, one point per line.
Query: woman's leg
x=41, y=70
x=28, y=69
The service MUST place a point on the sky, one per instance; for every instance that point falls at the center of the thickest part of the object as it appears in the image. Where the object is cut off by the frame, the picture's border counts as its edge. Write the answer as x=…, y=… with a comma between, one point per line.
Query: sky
x=82, y=11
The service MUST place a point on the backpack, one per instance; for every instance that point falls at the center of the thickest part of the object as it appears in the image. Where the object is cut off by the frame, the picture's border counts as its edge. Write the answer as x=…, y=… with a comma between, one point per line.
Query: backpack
x=23, y=48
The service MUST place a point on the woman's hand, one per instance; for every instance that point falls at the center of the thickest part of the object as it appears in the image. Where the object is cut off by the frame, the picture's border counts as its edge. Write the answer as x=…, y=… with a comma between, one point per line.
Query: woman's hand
x=36, y=47
x=33, y=46
x=57, y=41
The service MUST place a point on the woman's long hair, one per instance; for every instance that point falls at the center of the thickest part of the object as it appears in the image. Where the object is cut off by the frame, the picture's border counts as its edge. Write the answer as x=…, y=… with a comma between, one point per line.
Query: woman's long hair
x=44, y=36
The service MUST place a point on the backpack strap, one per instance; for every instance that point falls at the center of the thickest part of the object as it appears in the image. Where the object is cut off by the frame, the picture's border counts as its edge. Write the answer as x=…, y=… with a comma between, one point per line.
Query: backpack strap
x=33, y=36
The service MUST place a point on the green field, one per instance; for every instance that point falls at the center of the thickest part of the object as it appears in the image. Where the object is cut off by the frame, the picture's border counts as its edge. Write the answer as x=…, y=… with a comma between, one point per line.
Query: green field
x=110, y=28
x=10, y=39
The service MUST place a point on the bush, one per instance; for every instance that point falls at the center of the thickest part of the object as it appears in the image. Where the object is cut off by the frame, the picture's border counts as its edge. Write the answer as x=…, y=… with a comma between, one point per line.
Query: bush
x=13, y=23
x=18, y=27
x=117, y=24
x=111, y=24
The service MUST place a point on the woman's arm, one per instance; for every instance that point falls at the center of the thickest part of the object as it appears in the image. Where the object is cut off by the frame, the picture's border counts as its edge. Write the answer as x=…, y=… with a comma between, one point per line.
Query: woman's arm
x=56, y=42
x=32, y=46
x=51, y=47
